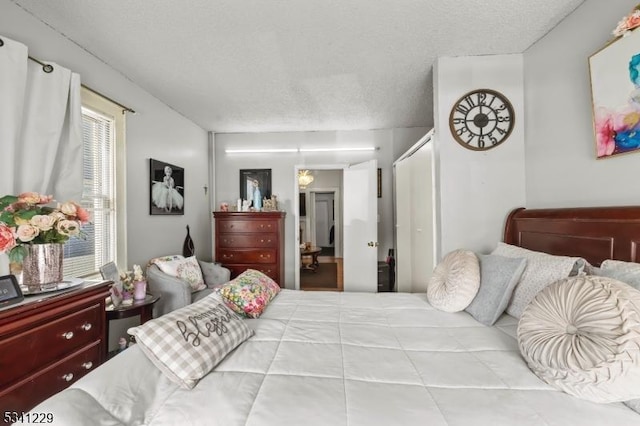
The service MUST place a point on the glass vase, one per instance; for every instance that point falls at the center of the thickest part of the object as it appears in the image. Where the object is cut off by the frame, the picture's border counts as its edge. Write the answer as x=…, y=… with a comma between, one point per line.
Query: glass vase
x=42, y=265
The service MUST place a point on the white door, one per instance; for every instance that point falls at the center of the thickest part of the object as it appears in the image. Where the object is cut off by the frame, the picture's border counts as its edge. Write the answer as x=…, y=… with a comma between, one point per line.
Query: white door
x=322, y=222
x=361, y=227
x=403, y=225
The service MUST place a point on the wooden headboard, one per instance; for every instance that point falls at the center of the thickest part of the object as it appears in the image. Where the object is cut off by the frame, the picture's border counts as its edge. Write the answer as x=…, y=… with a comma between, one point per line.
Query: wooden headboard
x=594, y=233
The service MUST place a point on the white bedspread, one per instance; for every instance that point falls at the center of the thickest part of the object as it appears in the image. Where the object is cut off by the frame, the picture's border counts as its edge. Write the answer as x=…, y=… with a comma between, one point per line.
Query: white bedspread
x=324, y=358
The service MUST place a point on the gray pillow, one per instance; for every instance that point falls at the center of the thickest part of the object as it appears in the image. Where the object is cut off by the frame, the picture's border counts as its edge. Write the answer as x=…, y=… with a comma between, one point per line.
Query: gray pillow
x=627, y=272
x=498, y=277
x=214, y=274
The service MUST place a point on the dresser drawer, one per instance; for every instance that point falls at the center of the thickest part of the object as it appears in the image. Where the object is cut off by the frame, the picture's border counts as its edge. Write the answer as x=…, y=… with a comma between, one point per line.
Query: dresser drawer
x=46, y=343
x=269, y=270
x=247, y=256
x=51, y=380
x=247, y=226
x=248, y=240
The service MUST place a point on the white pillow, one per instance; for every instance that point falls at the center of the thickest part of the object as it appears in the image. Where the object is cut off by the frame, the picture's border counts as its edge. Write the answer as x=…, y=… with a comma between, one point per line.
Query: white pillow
x=455, y=281
x=542, y=269
x=582, y=335
x=189, y=342
x=187, y=270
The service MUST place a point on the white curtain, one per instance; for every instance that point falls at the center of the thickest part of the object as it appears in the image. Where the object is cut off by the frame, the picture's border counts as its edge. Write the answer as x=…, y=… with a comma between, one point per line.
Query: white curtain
x=40, y=126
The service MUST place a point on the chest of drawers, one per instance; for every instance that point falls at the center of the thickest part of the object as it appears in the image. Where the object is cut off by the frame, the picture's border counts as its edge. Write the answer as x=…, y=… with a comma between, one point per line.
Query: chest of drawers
x=248, y=240
x=50, y=341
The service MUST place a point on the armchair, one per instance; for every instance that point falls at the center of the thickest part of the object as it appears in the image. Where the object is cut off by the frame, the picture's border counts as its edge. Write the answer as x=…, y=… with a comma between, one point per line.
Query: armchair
x=176, y=293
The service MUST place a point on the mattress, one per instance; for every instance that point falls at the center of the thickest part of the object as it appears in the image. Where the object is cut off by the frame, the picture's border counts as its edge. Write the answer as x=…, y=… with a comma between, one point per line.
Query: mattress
x=327, y=358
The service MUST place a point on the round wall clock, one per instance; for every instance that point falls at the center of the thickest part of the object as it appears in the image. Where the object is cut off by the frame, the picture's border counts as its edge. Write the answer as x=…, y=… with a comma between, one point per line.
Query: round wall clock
x=481, y=119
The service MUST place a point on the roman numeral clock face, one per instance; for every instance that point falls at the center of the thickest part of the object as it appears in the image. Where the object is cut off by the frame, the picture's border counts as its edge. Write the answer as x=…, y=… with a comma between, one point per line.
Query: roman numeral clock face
x=481, y=119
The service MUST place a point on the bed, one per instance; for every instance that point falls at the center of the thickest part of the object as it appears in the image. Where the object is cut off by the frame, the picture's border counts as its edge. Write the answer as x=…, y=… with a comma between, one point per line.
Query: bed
x=327, y=358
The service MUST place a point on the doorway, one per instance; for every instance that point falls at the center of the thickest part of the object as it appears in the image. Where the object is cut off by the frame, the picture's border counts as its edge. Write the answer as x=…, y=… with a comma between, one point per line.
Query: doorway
x=355, y=225
x=320, y=232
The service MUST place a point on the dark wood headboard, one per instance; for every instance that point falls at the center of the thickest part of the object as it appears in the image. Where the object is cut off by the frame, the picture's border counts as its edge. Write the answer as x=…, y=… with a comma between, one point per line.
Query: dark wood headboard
x=594, y=233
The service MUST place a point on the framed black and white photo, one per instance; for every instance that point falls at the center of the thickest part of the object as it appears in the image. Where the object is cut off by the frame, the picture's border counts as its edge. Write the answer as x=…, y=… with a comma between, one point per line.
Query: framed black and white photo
x=166, y=188
x=252, y=180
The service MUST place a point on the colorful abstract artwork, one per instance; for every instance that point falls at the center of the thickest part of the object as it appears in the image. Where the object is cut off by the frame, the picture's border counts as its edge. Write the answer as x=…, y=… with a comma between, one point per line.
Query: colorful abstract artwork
x=615, y=91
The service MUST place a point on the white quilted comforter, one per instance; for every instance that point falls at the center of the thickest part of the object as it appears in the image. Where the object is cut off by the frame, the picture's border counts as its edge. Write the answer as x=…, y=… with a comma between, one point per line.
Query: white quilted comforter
x=321, y=358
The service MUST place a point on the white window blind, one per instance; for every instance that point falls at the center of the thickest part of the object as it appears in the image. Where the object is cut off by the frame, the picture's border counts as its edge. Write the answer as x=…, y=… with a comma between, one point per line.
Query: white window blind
x=84, y=256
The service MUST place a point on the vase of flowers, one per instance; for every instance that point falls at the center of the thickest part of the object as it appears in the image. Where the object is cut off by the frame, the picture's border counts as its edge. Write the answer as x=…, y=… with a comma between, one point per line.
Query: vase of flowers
x=33, y=232
x=134, y=285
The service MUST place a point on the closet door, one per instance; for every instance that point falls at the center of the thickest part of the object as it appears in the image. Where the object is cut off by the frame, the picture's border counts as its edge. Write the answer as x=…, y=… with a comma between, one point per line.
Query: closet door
x=414, y=220
x=403, y=225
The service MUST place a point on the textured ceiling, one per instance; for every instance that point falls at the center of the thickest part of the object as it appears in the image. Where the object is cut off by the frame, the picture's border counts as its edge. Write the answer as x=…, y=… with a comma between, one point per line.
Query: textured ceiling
x=284, y=65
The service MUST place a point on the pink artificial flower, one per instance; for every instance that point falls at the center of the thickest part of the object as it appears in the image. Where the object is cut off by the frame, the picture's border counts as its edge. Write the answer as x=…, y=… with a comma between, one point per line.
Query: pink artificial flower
x=82, y=214
x=633, y=20
x=7, y=238
x=27, y=232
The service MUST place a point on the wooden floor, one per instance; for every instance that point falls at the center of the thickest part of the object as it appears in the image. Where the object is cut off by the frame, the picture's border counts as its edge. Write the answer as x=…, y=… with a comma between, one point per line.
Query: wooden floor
x=339, y=278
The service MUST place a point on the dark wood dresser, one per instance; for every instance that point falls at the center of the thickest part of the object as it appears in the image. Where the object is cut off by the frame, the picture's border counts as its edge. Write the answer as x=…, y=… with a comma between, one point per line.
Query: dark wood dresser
x=49, y=341
x=251, y=240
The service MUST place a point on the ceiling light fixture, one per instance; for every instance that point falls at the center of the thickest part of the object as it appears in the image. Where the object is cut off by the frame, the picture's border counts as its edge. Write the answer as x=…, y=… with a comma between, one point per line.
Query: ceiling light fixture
x=275, y=150
x=260, y=150
x=366, y=148
x=304, y=178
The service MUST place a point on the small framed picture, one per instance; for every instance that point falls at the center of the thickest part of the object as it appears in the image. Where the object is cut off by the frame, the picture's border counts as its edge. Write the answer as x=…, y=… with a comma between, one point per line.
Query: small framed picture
x=166, y=188
x=10, y=292
x=255, y=180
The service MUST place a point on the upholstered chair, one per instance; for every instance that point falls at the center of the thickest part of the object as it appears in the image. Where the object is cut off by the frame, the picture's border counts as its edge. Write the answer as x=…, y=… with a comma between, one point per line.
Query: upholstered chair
x=176, y=293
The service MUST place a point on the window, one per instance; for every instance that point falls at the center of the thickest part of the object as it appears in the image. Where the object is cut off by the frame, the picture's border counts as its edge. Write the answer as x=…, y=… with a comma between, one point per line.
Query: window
x=103, y=150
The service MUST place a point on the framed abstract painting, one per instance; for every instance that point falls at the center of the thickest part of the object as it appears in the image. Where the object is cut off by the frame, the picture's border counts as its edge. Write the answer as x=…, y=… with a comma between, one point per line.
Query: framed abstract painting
x=615, y=94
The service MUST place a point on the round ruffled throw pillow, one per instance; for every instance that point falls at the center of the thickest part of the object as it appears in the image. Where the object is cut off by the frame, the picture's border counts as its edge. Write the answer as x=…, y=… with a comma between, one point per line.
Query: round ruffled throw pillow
x=582, y=335
x=455, y=281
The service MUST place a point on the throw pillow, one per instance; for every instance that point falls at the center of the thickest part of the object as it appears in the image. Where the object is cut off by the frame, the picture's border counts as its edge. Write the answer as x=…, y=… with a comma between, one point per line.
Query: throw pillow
x=186, y=269
x=542, y=269
x=582, y=335
x=214, y=274
x=455, y=281
x=627, y=272
x=189, y=342
x=498, y=277
x=249, y=293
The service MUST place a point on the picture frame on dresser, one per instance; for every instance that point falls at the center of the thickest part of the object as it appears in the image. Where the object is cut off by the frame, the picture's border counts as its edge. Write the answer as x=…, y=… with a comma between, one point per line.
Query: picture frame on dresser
x=10, y=292
x=250, y=179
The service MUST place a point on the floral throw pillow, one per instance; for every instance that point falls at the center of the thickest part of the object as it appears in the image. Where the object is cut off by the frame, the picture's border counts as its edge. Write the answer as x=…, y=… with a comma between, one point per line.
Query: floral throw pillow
x=249, y=293
x=187, y=269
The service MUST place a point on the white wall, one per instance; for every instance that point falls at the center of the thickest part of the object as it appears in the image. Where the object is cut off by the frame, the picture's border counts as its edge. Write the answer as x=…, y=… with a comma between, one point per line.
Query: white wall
x=561, y=168
x=156, y=131
x=391, y=142
x=476, y=190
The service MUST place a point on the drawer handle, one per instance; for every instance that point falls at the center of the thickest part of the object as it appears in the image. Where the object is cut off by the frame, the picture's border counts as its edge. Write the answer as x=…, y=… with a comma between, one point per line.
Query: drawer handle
x=87, y=365
x=227, y=256
x=86, y=326
x=68, y=335
x=68, y=377
x=265, y=256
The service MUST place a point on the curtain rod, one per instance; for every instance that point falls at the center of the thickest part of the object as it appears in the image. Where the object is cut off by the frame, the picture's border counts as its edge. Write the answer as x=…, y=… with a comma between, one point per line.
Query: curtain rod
x=49, y=68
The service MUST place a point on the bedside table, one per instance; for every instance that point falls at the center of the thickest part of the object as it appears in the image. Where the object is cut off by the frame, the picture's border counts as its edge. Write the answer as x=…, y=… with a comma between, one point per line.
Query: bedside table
x=143, y=307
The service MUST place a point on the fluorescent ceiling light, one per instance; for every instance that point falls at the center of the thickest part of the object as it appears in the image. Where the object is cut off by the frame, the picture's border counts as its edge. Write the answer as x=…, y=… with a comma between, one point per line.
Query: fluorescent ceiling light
x=252, y=151
x=367, y=148
x=272, y=150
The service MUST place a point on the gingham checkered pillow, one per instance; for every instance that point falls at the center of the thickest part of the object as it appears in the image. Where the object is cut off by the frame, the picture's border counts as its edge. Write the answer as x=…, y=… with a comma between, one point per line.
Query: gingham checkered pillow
x=189, y=342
